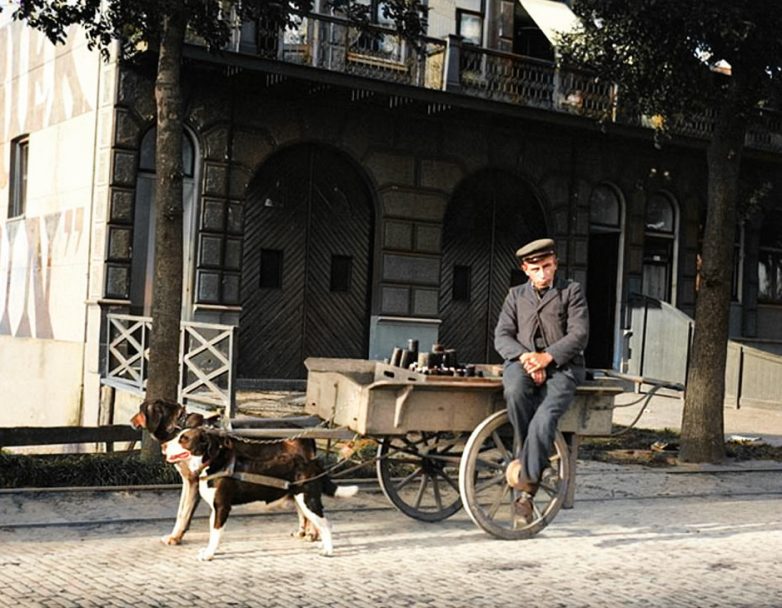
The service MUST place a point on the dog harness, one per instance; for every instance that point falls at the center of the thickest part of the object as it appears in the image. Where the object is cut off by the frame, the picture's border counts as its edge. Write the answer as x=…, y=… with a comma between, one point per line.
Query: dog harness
x=263, y=480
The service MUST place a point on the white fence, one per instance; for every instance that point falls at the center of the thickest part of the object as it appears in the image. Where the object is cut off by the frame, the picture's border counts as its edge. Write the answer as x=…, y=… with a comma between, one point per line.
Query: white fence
x=206, y=360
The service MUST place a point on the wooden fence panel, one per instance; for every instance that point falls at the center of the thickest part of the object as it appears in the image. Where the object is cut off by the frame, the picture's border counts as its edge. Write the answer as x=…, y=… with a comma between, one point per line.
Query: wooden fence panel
x=31, y=435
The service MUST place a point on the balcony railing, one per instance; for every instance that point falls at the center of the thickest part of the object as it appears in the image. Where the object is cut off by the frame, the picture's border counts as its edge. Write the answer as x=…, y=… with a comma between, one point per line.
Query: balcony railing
x=370, y=51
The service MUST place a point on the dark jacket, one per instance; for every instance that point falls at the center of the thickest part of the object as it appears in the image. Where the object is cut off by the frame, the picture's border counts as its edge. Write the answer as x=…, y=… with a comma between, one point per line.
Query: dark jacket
x=562, y=314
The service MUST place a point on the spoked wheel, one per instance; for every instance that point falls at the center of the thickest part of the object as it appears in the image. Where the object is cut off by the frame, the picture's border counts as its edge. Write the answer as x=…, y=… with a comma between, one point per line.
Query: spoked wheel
x=419, y=473
x=488, y=499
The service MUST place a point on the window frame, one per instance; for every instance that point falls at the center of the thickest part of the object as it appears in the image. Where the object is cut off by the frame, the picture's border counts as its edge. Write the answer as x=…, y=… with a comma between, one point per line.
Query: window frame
x=771, y=252
x=461, y=13
x=662, y=236
x=139, y=264
x=18, y=177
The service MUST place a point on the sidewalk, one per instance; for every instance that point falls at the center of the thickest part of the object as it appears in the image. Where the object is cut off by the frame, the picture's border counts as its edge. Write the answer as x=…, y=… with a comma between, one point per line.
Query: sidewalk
x=666, y=413
x=636, y=537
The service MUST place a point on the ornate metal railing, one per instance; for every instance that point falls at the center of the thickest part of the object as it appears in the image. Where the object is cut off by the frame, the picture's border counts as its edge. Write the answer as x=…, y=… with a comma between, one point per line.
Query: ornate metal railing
x=336, y=44
x=370, y=51
x=535, y=83
x=206, y=355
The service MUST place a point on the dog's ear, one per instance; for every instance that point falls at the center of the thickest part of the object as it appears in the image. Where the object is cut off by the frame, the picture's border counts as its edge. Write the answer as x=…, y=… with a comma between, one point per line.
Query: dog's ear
x=152, y=414
x=200, y=440
x=193, y=420
x=212, y=445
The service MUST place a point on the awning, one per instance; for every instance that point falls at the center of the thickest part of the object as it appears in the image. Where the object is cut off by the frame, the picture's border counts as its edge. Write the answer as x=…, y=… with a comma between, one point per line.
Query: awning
x=551, y=17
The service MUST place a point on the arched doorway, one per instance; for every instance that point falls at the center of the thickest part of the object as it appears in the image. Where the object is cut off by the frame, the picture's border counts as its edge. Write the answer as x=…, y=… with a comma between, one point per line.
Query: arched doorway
x=604, y=272
x=491, y=214
x=306, y=263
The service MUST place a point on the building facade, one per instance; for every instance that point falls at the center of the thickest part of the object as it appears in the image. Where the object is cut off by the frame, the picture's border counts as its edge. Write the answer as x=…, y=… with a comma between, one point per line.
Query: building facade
x=344, y=192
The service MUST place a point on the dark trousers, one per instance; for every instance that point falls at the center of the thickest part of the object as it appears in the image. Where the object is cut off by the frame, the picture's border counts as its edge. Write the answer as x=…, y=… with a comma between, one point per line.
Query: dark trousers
x=534, y=412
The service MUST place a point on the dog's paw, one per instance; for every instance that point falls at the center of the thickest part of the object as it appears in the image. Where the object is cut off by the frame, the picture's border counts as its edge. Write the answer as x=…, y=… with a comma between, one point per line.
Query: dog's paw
x=170, y=539
x=327, y=551
x=305, y=534
x=205, y=555
x=309, y=536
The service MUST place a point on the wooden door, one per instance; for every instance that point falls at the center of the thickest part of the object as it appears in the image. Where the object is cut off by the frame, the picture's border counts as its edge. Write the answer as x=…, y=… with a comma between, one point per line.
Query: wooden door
x=306, y=264
x=601, y=298
x=490, y=216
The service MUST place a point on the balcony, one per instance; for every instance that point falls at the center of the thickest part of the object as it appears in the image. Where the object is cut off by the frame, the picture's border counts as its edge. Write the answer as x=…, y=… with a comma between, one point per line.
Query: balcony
x=334, y=44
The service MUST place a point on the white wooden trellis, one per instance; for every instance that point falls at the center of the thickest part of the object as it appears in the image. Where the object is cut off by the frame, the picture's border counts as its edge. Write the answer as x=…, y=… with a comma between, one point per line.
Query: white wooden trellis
x=128, y=352
x=206, y=360
x=206, y=352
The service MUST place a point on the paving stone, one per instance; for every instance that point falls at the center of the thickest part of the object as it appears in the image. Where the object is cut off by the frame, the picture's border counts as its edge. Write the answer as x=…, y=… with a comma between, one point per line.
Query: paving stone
x=636, y=537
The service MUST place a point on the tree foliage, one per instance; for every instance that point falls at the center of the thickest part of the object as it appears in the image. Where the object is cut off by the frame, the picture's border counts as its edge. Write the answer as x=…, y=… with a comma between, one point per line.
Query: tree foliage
x=669, y=56
x=720, y=59
x=140, y=22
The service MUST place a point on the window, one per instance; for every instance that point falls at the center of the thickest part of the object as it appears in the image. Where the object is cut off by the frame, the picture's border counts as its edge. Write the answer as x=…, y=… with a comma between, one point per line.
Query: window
x=382, y=41
x=341, y=272
x=271, y=268
x=469, y=25
x=738, y=265
x=146, y=162
x=462, y=283
x=17, y=202
x=139, y=260
x=659, y=247
x=770, y=260
x=604, y=211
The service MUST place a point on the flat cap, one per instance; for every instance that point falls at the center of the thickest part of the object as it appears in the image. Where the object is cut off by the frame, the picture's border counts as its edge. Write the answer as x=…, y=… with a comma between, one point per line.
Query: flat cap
x=536, y=250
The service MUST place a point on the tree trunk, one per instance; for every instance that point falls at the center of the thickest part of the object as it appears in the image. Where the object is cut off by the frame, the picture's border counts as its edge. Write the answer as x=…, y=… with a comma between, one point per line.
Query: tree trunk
x=702, y=437
x=167, y=291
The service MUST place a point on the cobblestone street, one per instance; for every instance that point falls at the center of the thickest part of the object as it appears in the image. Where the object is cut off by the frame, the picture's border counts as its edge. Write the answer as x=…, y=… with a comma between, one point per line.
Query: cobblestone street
x=635, y=538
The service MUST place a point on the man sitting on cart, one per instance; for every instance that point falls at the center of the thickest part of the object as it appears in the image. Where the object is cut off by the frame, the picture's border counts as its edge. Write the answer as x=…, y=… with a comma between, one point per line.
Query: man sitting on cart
x=542, y=332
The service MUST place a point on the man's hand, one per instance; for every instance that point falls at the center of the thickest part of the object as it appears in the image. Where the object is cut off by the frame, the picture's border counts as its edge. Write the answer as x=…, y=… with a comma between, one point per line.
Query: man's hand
x=534, y=362
x=538, y=377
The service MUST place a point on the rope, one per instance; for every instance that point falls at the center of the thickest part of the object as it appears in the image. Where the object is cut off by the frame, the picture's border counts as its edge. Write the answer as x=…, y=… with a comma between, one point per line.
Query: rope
x=647, y=398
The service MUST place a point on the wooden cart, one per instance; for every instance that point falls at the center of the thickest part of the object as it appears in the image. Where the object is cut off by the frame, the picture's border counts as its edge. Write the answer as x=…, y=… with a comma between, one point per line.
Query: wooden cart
x=445, y=441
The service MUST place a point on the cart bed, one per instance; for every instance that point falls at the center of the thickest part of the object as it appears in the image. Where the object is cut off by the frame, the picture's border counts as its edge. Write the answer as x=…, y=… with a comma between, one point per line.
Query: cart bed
x=373, y=398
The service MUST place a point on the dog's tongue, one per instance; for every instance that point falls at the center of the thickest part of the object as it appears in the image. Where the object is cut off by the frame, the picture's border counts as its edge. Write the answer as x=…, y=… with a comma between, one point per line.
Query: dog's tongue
x=177, y=457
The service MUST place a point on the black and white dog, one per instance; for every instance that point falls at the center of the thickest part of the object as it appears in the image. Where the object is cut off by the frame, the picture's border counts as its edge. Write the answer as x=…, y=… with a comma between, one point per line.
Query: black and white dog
x=233, y=472
x=165, y=420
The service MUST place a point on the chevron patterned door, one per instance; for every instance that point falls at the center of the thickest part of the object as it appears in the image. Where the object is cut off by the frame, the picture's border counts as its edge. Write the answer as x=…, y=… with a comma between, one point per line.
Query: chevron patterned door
x=490, y=216
x=306, y=264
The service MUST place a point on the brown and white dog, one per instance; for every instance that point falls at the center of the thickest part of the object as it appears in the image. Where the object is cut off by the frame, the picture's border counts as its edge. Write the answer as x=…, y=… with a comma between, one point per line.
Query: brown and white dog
x=232, y=472
x=164, y=420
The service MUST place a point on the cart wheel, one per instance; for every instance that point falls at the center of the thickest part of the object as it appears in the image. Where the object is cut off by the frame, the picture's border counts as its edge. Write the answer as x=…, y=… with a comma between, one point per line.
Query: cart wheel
x=419, y=473
x=488, y=499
